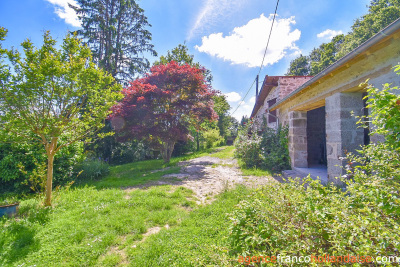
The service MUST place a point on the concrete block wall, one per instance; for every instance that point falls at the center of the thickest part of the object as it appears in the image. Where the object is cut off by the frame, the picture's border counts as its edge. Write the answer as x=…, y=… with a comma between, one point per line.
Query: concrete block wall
x=298, y=139
x=343, y=134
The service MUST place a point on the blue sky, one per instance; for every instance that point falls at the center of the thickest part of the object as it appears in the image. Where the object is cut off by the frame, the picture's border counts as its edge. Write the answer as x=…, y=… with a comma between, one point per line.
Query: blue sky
x=226, y=36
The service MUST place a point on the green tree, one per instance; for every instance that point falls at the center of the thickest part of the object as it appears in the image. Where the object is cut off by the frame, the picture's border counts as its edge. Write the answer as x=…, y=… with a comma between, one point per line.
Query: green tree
x=180, y=54
x=116, y=32
x=380, y=14
x=221, y=107
x=325, y=55
x=300, y=66
x=54, y=96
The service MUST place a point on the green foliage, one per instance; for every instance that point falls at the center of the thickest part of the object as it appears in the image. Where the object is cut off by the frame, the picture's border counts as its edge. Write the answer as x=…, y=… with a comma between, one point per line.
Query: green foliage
x=53, y=96
x=264, y=148
x=248, y=147
x=19, y=161
x=212, y=138
x=274, y=149
x=287, y=219
x=227, y=124
x=299, y=66
x=92, y=169
x=116, y=33
x=180, y=55
x=380, y=14
x=384, y=105
x=310, y=219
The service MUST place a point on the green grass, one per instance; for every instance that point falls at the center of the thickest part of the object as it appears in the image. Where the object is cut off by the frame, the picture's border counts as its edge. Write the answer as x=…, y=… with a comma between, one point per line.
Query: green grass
x=252, y=171
x=225, y=153
x=136, y=173
x=96, y=223
x=85, y=222
x=200, y=240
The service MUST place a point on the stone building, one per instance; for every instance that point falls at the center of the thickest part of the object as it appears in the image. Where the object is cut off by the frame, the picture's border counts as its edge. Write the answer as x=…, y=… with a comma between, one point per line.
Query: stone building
x=320, y=110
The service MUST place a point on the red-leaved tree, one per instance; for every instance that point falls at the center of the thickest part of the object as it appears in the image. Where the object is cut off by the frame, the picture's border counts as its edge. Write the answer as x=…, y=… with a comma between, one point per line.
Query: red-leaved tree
x=163, y=105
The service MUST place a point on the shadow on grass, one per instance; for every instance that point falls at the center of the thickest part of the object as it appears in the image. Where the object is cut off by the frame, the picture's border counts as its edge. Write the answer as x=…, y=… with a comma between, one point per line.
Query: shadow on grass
x=139, y=174
x=17, y=241
x=17, y=238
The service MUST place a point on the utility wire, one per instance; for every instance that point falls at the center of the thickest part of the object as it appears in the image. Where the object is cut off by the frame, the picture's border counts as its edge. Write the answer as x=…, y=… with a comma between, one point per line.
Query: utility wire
x=262, y=63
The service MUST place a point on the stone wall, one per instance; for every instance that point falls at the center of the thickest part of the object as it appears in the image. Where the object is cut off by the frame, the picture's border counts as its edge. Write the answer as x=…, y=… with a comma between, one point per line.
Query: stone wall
x=298, y=139
x=290, y=83
x=286, y=85
x=342, y=133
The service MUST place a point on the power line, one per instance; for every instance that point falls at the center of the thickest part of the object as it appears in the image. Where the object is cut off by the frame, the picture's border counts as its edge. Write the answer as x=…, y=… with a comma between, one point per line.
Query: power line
x=262, y=63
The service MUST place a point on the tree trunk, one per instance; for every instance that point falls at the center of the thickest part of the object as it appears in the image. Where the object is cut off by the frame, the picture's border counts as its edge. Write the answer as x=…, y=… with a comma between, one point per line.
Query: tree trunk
x=198, y=141
x=50, y=149
x=166, y=150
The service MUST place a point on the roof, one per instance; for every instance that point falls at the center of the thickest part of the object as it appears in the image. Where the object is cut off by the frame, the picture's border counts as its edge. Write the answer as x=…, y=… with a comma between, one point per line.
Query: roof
x=269, y=83
x=383, y=34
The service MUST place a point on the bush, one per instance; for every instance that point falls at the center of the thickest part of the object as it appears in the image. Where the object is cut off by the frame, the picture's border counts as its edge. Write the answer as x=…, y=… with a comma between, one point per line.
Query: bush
x=19, y=162
x=263, y=147
x=212, y=138
x=302, y=220
x=129, y=152
x=274, y=149
x=288, y=219
x=92, y=169
x=248, y=148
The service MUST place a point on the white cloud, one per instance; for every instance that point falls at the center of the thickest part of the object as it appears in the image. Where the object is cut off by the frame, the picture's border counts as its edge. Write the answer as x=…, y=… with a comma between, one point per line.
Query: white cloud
x=246, y=44
x=252, y=100
x=213, y=11
x=233, y=97
x=65, y=12
x=328, y=34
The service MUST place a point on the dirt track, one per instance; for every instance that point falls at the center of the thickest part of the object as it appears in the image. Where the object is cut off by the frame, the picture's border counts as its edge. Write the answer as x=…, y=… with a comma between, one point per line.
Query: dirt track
x=208, y=176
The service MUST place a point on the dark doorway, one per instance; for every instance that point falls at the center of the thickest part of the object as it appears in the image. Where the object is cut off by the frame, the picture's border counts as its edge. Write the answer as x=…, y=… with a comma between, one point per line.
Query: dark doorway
x=316, y=137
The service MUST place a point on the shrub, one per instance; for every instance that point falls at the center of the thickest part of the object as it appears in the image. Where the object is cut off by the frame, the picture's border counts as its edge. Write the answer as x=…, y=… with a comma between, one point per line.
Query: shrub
x=248, y=148
x=19, y=161
x=288, y=219
x=274, y=149
x=129, y=152
x=302, y=220
x=212, y=138
x=263, y=147
x=92, y=169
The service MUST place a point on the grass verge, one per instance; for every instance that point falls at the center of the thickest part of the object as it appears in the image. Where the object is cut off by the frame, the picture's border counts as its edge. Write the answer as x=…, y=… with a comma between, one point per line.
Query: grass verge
x=85, y=222
x=200, y=240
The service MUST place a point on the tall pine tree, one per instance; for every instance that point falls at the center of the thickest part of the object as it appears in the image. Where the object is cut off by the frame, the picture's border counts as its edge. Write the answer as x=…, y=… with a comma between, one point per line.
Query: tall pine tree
x=115, y=30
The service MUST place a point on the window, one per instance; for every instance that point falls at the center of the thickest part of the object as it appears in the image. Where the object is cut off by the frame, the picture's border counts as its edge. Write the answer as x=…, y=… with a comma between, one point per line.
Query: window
x=272, y=114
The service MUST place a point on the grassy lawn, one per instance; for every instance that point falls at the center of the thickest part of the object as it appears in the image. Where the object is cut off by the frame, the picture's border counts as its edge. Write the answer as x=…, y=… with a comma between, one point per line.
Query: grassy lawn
x=200, y=240
x=88, y=219
x=98, y=223
x=85, y=222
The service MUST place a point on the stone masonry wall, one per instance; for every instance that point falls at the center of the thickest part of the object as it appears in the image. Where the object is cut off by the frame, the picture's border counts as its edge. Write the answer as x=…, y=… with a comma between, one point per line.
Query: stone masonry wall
x=343, y=134
x=298, y=139
x=288, y=84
